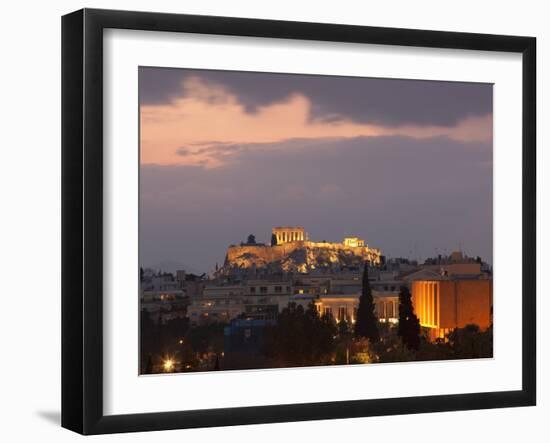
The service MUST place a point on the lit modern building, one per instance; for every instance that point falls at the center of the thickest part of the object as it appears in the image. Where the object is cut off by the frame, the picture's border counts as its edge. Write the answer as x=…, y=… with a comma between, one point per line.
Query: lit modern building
x=163, y=305
x=217, y=303
x=445, y=304
x=264, y=299
x=258, y=299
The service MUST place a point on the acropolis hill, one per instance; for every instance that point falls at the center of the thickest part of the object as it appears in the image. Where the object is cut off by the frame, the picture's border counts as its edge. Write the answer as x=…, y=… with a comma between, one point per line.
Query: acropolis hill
x=292, y=251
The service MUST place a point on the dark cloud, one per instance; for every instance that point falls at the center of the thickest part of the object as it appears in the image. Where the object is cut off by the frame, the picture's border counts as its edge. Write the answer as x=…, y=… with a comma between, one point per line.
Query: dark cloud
x=215, y=149
x=184, y=151
x=406, y=196
x=366, y=100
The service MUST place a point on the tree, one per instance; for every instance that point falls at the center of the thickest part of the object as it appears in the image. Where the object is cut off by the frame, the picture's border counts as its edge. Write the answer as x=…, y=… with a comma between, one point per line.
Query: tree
x=251, y=240
x=273, y=240
x=366, y=324
x=206, y=338
x=149, y=365
x=345, y=342
x=409, y=325
x=301, y=337
x=471, y=342
x=149, y=335
x=343, y=328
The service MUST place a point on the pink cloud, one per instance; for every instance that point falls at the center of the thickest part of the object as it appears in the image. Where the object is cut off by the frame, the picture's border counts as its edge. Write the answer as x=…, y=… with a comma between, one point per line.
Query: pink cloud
x=209, y=112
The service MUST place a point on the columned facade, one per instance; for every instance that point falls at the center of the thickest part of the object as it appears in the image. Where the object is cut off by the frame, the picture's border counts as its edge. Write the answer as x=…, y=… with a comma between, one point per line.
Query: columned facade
x=446, y=304
x=289, y=234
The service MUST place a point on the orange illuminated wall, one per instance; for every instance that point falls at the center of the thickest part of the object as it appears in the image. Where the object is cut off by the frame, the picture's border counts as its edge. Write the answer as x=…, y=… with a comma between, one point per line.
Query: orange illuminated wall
x=443, y=305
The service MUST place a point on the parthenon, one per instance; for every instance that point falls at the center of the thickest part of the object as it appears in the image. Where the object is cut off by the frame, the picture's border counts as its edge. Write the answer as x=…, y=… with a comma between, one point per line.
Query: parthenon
x=288, y=234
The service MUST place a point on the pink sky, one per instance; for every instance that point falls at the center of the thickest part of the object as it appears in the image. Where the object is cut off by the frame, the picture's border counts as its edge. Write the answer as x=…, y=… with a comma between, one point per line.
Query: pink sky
x=206, y=114
x=404, y=164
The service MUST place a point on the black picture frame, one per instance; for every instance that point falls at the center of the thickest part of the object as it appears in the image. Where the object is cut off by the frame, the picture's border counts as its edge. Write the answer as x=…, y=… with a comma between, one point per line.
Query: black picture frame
x=82, y=216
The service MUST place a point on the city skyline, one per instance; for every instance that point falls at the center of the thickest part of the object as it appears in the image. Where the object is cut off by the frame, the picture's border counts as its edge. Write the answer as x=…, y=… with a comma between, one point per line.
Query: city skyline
x=406, y=165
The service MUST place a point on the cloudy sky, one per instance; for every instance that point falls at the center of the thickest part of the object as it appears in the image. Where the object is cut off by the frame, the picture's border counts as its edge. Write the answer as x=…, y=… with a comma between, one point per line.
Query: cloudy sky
x=406, y=165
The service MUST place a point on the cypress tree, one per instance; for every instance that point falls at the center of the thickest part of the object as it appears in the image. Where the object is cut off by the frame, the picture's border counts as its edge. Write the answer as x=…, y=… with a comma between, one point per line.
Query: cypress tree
x=409, y=325
x=366, y=324
x=343, y=328
x=149, y=365
x=273, y=240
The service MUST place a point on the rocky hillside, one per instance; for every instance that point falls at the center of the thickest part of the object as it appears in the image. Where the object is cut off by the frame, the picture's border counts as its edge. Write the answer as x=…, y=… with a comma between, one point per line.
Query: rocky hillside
x=302, y=256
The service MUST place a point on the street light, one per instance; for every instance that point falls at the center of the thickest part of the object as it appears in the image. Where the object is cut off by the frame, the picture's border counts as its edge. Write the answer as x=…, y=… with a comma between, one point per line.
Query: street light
x=168, y=365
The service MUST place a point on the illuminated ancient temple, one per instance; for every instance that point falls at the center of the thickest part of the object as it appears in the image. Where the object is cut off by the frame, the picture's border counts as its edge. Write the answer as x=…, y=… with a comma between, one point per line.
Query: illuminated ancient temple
x=288, y=234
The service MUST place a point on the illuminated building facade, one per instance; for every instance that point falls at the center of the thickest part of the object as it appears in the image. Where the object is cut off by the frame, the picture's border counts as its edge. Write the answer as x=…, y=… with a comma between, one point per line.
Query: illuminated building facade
x=354, y=242
x=335, y=294
x=289, y=234
x=255, y=299
x=342, y=307
x=442, y=305
x=217, y=303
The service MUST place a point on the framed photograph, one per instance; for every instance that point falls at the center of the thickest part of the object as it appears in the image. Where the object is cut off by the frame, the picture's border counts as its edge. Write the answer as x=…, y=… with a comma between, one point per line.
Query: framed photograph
x=269, y=221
